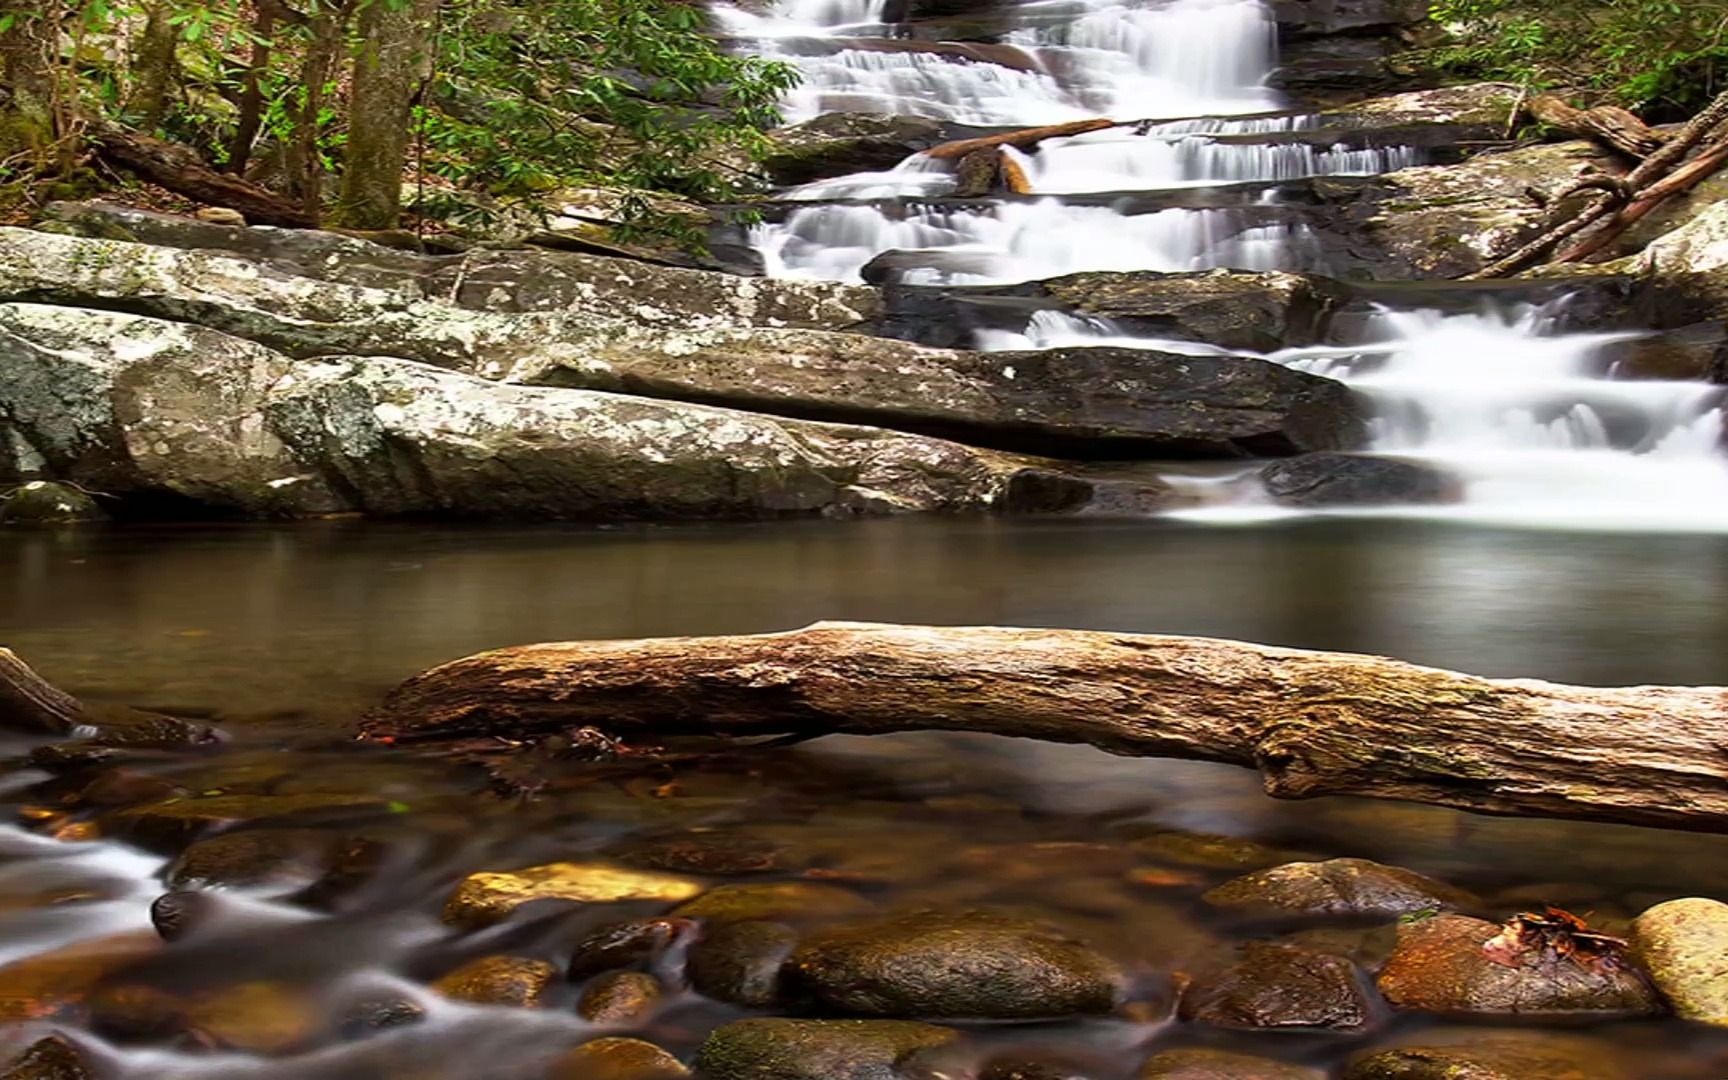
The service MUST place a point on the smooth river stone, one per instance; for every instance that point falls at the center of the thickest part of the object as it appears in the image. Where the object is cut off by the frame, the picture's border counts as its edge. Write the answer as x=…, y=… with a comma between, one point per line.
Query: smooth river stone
x=1684, y=944
x=1341, y=887
x=490, y=896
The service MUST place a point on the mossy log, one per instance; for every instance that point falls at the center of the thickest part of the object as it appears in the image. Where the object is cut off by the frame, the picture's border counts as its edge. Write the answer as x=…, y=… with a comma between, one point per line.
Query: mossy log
x=1312, y=723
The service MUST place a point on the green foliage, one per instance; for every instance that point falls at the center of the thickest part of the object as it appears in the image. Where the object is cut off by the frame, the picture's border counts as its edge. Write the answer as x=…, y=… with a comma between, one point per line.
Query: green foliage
x=1665, y=56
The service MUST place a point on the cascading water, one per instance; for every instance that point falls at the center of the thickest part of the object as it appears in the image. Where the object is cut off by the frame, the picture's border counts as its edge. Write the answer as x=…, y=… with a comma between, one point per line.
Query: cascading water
x=1531, y=421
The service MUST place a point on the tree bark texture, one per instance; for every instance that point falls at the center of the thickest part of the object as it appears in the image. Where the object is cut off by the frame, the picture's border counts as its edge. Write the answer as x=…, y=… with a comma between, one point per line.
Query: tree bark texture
x=29, y=704
x=393, y=63
x=1606, y=124
x=179, y=170
x=1312, y=723
x=27, y=74
x=154, y=65
x=326, y=23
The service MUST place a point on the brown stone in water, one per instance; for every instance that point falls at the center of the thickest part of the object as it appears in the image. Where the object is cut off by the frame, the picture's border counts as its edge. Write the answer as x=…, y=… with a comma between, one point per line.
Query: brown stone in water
x=174, y=823
x=260, y=1016
x=488, y=897
x=1342, y=887
x=618, y=1059
x=42, y=985
x=1493, y=1055
x=498, y=980
x=50, y=1058
x=623, y=945
x=741, y=962
x=1206, y=1064
x=1439, y=966
x=1281, y=986
x=620, y=997
x=790, y=901
x=707, y=852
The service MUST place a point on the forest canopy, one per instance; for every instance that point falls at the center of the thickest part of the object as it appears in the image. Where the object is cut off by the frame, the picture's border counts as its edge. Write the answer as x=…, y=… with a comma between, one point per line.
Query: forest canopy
x=333, y=103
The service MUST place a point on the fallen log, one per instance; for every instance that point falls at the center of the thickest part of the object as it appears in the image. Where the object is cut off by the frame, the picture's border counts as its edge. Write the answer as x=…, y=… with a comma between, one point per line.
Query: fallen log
x=1024, y=139
x=180, y=171
x=1312, y=723
x=1607, y=124
x=29, y=704
x=1678, y=182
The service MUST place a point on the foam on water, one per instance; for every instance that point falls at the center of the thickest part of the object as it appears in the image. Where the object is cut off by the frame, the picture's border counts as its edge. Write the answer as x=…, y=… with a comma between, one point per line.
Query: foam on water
x=1527, y=417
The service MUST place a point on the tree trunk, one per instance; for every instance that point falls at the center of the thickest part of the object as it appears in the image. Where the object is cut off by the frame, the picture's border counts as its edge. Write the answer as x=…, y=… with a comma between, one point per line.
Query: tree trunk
x=29, y=704
x=251, y=117
x=28, y=47
x=394, y=61
x=178, y=169
x=1023, y=139
x=326, y=23
x=1678, y=182
x=1313, y=723
x=154, y=65
x=1606, y=124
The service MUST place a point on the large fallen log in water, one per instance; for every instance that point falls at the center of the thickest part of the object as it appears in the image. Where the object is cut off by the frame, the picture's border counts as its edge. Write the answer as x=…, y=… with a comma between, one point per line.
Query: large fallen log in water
x=1313, y=723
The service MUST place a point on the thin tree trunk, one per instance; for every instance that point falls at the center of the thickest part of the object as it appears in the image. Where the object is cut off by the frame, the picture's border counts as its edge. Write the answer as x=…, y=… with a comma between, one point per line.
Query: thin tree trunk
x=1678, y=182
x=28, y=48
x=154, y=66
x=252, y=89
x=326, y=24
x=1313, y=723
x=394, y=61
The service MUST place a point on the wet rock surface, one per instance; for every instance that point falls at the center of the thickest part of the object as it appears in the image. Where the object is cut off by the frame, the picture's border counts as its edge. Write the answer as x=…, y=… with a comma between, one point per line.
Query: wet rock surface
x=1281, y=986
x=50, y=1058
x=1351, y=888
x=617, y=1059
x=773, y=1049
x=835, y=144
x=485, y=898
x=1440, y=965
x=1205, y=1064
x=741, y=962
x=39, y=502
x=1344, y=480
x=953, y=966
x=498, y=980
x=1492, y=1055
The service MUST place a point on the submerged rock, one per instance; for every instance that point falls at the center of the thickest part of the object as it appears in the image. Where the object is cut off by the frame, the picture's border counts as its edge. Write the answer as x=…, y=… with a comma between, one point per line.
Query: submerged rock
x=258, y=858
x=623, y=945
x=488, y=897
x=1280, y=986
x=498, y=980
x=1340, y=887
x=172, y=823
x=1206, y=1064
x=1684, y=945
x=954, y=966
x=1440, y=966
x=1335, y=480
x=617, y=1059
x=1492, y=1055
x=775, y=1049
x=699, y=851
x=741, y=962
x=41, y=502
x=789, y=901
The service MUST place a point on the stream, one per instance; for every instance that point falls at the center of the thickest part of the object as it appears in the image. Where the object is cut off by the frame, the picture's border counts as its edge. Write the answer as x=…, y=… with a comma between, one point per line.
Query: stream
x=1589, y=545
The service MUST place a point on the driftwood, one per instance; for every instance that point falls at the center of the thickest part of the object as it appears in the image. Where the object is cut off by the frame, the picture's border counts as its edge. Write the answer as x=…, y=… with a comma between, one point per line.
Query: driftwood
x=180, y=171
x=1607, y=124
x=29, y=704
x=1681, y=180
x=1024, y=139
x=1313, y=723
x=1701, y=129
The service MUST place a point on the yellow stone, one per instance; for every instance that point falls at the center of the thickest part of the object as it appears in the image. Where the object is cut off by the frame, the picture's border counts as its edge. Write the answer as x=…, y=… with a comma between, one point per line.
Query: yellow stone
x=487, y=897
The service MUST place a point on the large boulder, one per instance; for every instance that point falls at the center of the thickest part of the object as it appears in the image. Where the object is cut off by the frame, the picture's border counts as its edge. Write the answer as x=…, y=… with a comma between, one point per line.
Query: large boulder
x=1090, y=403
x=151, y=412
x=479, y=312
x=1440, y=965
x=1342, y=480
x=1349, y=888
x=405, y=439
x=1230, y=309
x=943, y=966
x=1684, y=945
x=835, y=144
x=1321, y=18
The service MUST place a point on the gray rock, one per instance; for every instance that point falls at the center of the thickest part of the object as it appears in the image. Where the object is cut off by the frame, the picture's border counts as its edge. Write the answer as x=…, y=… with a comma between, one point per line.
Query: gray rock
x=1280, y=986
x=404, y=439
x=775, y=1049
x=42, y=502
x=835, y=144
x=147, y=410
x=1439, y=966
x=1088, y=491
x=1231, y=309
x=1356, y=888
x=1684, y=945
x=1319, y=18
x=1325, y=480
x=1121, y=403
x=953, y=966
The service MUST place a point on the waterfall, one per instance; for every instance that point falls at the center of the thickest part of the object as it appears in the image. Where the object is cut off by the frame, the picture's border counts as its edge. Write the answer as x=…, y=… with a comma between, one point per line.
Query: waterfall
x=1531, y=420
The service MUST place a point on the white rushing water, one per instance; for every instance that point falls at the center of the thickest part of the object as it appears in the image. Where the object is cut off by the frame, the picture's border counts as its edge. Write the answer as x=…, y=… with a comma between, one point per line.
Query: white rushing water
x=1528, y=419
x=1531, y=421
